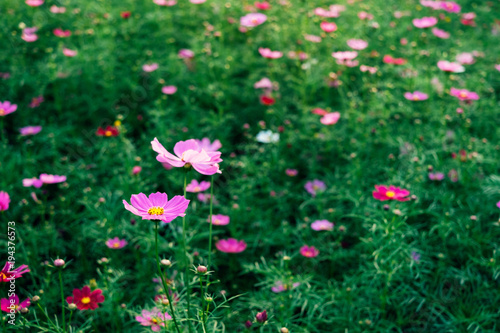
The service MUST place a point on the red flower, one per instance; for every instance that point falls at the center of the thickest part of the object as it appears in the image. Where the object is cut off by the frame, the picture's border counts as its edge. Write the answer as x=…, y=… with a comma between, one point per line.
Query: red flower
x=86, y=300
x=267, y=100
x=109, y=131
x=125, y=15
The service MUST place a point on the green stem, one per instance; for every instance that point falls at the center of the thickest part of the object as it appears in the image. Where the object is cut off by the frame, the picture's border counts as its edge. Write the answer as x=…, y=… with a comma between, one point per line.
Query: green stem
x=70, y=316
x=62, y=299
x=210, y=220
x=186, y=259
x=166, y=289
x=46, y=315
x=203, y=314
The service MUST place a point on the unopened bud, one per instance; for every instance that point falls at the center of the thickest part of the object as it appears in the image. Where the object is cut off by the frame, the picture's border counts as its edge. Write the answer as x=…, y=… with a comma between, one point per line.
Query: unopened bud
x=166, y=262
x=24, y=310
x=284, y=330
x=35, y=298
x=209, y=299
x=59, y=262
x=261, y=316
x=201, y=269
x=72, y=306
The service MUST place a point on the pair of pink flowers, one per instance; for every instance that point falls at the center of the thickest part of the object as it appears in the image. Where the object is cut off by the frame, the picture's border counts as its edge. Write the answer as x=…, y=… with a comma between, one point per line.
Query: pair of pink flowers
x=44, y=179
x=267, y=53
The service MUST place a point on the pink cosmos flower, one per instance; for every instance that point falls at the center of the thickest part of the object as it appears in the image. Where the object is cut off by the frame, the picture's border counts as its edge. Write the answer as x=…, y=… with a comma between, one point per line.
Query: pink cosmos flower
x=189, y=154
x=416, y=96
x=468, y=19
x=116, y=243
x=453, y=67
x=197, y=2
x=498, y=204
x=330, y=118
x=195, y=187
x=322, y=225
x=36, y=101
x=27, y=182
x=313, y=38
x=453, y=175
x=450, y=6
x=431, y=4
x=267, y=53
x=169, y=90
x=209, y=146
x=465, y=58
x=69, y=53
x=231, y=245
x=30, y=130
x=29, y=34
x=154, y=318
x=6, y=304
x=345, y=55
x=291, y=172
x=168, y=3
x=6, y=108
x=205, y=198
x=186, y=54
x=384, y=193
x=263, y=83
x=220, y=219
x=464, y=94
x=328, y=26
x=438, y=176
x=357, y=44
x=136, y=169
x=62, y=33
x=425, y=22
x=51, y=179
x=440, y=33
x=309, y=251
x=57, y=10
x=34, y=3
x=157, y=206
x=315, y=186
x=85, y=299
x=253, y=19
x=150, y=67
x=264, y=5
x=326, y=13
x=497, y=67
x=365, y=16
x=319, y=111
x=4, y=201
x=388, y=59
x=280, y=287
x=8, y=273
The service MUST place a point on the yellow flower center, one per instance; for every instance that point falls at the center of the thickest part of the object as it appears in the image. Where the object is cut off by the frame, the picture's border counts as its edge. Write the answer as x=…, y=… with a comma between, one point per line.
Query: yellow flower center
x=197, y=189
x=315, y=187
x=416, y=98
x=85, y=300
x=154, y=320
x=2, y=276
x=463, y=94
x=254, y=21
x=390, y=194
x=155, y=211
x=108, y=133
x=217, y=221
x=116, y=245
x=2, y=112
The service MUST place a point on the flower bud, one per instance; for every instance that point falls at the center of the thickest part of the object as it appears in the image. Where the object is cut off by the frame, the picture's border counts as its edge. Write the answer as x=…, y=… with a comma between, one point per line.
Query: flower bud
x=35, y=298
x=261, y=316
x=165, y=301
x=284, y=330
x=166, y=262
x=248, y=324
x=201, y=269
x=72, y=306
x=59, y=262
x=209, y=299
x=24, y=310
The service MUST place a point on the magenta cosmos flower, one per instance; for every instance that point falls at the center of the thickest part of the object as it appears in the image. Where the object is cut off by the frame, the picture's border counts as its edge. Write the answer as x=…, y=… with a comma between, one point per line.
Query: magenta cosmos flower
x=169, y=90
x=330, y=118
x=464, y=94
x=253, y=19
x=416, y=96
x=267, y=53
x=195, y=187
x=220, y=219
x=425, y=22
x=440, y=33
x=309, y=251
x=291, y=172
x=30, y=130
x=328, y=26
x=154, y=318
x=84, y=299
x=315, y=186
x=34, y=3
x=231, y=245
x=116, y=243
x=157, y=206
x=450, y=6
x=27, y=182
x=209, y=146
x=357, y=44
x=438, y=176
x=189, y=154
x=6, y=108
x=384, y=193
x=453, y=67
x=7, y=273
x=322, y=225
x=4, y=201
x=186, y=54
x=12, y=302
x=52, y=179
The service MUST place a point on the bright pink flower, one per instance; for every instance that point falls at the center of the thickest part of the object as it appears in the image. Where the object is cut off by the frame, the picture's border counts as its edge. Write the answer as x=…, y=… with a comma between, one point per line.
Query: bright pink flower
x=169, y=90
x=450, y=6
x=69, y=53
x=57, y=10
x=322, y=225
x=309, y=251
x=326, y=13
x=330, y=118
x=157, y=206
x=34, y=3
x=328, y=26
x=30, y=130
x=465, y=58
x=416, y=96
x=27, y=182
x=4, y=201
x=468, y=19
x=62, y=33
x=365, y=16
x=497, y=67
x=267, y=53
x=6, y=108
x=438, y=176
x=291, y=172
x=440, y=33
x=197, y=2
x=357, y=44
x=220, y=219
x=425, y=22
x=154, y=318
x=189, y=154
x=315, y=186
x=384, y=193
x=453, y=67
x=345, y=55
x=85, y=299
x=319, y=111
x=264, y=5
x=264, y=83
x=168, y=3
x=464, y=94
x=8, y=273
x=253, y=19
x=209, y=146
x=395, y=61
x=136, y=169
x=52, y=179
x=186, y=54
x=231, y=245
x=195, y=187
x=150, y=67
x=431, y=4
x=7, y=304
x=116, y=243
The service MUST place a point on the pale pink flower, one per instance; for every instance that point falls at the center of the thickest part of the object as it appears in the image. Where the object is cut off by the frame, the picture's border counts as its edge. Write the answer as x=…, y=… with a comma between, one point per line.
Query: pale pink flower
x=416, y=96
x=326, y=13
x=465, y=58
x=365, y=16
x=69, y=53
x=169, y=90
x=425, y=22
x=330, y=118
x=29, y=34
x=345, y=55
x=186, y=54
x=320, y=225
x=497, y=67
x=280, y=287
x=209, y=146
x=197, y=2
x=372, y=70
x=220, y=219
x=34, y=3
x=267, y=53
x=30, y=130
x=168, y=3
x=313, y=38
x=150, y=67
x=450, y=6
x=52, y=179
x=231, y=245
x=155, y=318
x=195, y=187
x=253, y=19
x=357, y=44
x=453, y=67
x=263, y=83
x=464, y=94
x=27, y=182
x=328, y=26
x=309, y=251
x=57, y=10
x=291, y=172
x=431, y=4
x=116, y=243
x=440, y=33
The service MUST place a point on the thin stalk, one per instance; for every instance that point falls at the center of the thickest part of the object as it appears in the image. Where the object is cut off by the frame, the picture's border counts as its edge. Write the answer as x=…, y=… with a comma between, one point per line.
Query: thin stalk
x=203, y=314
x=210, y=220
x=62, y=299
x=165, y=286
x=186, y=259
